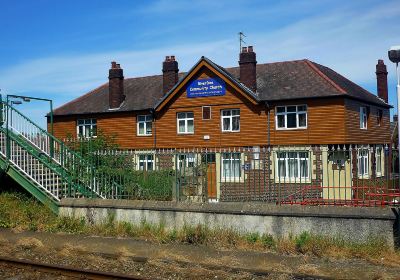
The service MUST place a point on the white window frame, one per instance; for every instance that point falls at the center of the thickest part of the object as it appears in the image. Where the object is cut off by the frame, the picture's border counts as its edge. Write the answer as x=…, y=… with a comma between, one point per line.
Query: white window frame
x=188, y=160
x=186, y=119
x=363, y=156
x=285, y=113
x=298, y=159
x=378, y=160
x=363, y=117
x=148, y=158
x=147, y=119
x=91, y=123
x=228, y=156
x=230, y=117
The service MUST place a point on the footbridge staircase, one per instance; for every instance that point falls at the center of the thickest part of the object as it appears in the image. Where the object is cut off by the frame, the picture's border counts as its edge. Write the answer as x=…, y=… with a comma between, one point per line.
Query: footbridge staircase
x=44, y=165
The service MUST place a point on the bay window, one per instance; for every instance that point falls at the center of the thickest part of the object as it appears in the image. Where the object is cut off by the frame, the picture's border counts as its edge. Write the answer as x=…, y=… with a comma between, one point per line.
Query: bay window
x=378, y=161
x=230, y=120
x=363, y=162
x=293, y=165
x=291, y=117
x=231, y=163
x=144, y=125
x=185, y=123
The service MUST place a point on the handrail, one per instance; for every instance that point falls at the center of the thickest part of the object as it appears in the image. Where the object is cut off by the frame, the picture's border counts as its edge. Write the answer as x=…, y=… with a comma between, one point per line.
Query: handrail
x=72, y=163
x=52, y=167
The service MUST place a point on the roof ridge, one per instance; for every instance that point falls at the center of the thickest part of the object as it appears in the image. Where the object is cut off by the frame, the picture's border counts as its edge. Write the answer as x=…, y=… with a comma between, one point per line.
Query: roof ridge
x=325, y=77
x=81, y=97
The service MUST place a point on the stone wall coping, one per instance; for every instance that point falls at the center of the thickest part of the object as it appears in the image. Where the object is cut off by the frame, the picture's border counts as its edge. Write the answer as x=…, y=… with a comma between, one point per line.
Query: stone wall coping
x=239, y=208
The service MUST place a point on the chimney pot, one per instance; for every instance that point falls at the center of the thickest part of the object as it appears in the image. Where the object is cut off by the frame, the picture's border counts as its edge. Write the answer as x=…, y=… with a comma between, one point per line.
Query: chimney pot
x=113, y=65
x=250, y=49
x=170, y=73
x=244, y=49
x=381, y=80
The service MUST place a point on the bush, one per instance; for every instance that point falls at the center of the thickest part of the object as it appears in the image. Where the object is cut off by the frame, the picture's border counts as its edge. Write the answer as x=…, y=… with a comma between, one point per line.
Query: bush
x=302, y=241
x=252, y=237
x=268, y=241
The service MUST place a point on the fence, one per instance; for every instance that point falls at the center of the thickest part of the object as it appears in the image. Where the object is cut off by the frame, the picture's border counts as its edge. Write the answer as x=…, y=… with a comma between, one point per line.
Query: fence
x=323, y=175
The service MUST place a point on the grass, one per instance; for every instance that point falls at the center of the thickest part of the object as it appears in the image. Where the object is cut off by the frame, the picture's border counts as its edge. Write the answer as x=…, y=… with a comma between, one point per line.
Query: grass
x=20, y=212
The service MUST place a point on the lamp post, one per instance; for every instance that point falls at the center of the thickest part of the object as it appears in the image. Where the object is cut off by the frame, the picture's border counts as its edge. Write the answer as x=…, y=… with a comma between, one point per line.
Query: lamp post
x=394, y=56
x=28, y=99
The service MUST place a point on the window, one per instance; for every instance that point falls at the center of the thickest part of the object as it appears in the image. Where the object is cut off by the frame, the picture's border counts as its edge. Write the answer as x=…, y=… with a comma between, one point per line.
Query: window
x=363, y=117
x=146, y=162
x=186, y=161
x=230, y=120
x=363, y=162
x=291, y=117
x=144, y=125
x=231, y=166
x=185, y=123
x=293, y=165
x=206, y=113
x=379, y=115
x=87, y=128
x=378, y=161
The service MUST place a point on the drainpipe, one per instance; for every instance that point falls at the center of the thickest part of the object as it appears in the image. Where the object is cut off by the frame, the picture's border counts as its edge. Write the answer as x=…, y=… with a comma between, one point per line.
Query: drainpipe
x=267, y=110
x=153, y=115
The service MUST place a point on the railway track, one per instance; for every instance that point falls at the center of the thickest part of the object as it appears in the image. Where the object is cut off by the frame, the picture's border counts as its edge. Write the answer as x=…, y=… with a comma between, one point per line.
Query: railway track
x=65, y=270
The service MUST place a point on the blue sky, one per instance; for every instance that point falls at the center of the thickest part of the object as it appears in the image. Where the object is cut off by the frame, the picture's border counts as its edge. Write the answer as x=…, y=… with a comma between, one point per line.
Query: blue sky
x=62, y=49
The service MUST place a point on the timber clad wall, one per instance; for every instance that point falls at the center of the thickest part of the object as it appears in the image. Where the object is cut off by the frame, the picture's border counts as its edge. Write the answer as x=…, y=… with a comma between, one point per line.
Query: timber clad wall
x=374, y=134
x=333, y=120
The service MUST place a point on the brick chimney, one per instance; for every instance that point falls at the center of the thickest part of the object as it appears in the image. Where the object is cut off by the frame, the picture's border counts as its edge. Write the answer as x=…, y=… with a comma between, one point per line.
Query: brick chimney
x=248, y=64
x=381, y=80
x=170, y=73
x=116, y=86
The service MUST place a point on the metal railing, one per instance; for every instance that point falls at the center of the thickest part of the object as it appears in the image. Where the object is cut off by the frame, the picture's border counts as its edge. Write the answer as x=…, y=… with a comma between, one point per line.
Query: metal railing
x=70, y=168
x=356, y=175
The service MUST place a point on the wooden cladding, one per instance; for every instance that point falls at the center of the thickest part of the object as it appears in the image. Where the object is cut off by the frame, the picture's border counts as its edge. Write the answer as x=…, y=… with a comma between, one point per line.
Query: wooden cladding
x=333, y=120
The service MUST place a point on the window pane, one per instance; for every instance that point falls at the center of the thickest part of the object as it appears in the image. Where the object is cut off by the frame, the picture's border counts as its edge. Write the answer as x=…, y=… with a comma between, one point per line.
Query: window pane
x=94, y=130
x=236, y=112
x=281, y=121
x=236, y=167
x=291, y=120
x=190, y=127
x=141, y=118
x=304, y=168
x=281, y=168
x=181, y=126
x=181, y=115
x=291, y=109
x=81, y=121
x=302, y=108
x=302, y=120
x=280, y=109
x=206, y=113
x=226, y=124
x=141, y=128
x=235, y=123
x=226, y=112
x=189, y=115
x=148, y=127
x=226, y=168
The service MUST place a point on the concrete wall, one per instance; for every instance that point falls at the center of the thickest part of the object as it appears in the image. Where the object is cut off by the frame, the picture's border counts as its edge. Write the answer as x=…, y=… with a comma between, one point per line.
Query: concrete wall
x=355, y=224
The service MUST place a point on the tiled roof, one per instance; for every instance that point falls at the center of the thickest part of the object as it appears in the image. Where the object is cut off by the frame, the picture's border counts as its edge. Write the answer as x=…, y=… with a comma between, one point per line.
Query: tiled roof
x=275, y=81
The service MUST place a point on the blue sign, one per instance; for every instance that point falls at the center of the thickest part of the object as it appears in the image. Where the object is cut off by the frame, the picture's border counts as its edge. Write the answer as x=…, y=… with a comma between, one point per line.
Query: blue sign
x=206, y=87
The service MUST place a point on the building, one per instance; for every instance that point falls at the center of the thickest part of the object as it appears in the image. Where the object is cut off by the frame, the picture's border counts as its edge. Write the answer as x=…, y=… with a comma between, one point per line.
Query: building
x=283, y=118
